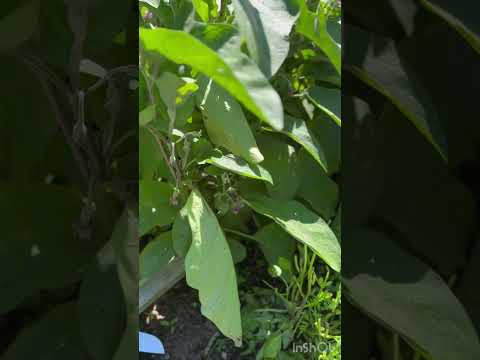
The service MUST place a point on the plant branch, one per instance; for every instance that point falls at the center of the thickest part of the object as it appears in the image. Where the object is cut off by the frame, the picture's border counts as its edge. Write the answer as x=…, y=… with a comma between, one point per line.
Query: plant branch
x=59, y=117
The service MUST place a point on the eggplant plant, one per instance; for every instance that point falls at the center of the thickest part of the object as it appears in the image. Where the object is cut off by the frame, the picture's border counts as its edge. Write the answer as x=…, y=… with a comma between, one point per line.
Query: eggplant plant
x=239, y=140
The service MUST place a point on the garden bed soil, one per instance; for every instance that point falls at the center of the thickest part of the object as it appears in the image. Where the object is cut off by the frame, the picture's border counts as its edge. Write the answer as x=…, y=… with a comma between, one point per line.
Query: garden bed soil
x=185, y=333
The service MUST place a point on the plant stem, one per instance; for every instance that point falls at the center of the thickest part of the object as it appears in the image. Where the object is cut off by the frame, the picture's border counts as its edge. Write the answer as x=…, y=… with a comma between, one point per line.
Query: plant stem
x=239, y=233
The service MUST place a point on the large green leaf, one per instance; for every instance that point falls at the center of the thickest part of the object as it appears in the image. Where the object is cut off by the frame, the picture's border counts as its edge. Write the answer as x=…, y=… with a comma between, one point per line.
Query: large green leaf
x=462, y=16
x=209, y=269
x=241, y=167
x=18, y=25
x=467, y=294
x=102, y=311
x=155, y=208
x=407, y=296
x=302, y=224
x=155, y=256
x=266, y=26
x=215, y=51
x=55, y=337
x=125, y=240
x=39, y=248
x=226, y=124
x=376, y=61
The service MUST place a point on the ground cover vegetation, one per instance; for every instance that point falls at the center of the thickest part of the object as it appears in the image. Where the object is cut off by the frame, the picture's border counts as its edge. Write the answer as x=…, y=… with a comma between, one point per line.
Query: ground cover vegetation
x=240, y=130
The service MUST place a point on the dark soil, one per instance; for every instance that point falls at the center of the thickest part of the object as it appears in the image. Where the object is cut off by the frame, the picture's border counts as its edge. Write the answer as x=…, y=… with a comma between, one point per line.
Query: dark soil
x=185, y=333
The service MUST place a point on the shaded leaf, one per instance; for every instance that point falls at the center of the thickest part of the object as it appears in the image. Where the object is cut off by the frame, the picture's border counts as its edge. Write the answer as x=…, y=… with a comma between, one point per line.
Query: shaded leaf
x=280, y=162
x=18, y=25
x=461, y=16
x=298, y=130
x=154, y=206
x=414, y=302
x=155, y=256
x=276, y=244
x=316, y=188
x=375, y=60
x=329, y=101
x=56, y=334
x=101, y=310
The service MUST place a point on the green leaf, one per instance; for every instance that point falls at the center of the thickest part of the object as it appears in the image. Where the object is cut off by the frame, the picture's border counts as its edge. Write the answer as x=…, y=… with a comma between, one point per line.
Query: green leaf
x=156, y=256
x=160, y=283
x=167, y=86
x=215, y=51
x=39, y=248
x=226, y=124
x=238, y=251
x=316, y=188
x=202, y=9
x=266, y=26
x=314, y=27
x=154, y=207
x=280, y=161
x=241, y=167
x=19, y=25
x=414, y=302
x=298, y=130
x=329, y=135
x=181, y=234
x=151, y=163
x=327, y=100
x=55, y=335
x=375, y=60
x=147, y=115
x=209, y=268
x=102, y=311
x=271, y=348
x=276, y=244
x=470, y=299
x=462, y=16
x=337, y=224
x=302, y=224
x=125, y=237
x=153, y=3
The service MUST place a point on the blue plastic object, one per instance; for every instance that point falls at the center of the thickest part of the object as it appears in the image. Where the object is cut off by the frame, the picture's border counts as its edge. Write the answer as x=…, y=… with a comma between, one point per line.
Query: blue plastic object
x=150, y=344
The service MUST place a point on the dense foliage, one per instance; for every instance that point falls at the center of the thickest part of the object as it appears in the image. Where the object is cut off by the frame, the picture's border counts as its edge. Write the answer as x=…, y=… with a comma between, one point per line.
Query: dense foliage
x=68, y=170
x=411, y=166
x=240, y=148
